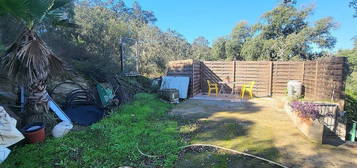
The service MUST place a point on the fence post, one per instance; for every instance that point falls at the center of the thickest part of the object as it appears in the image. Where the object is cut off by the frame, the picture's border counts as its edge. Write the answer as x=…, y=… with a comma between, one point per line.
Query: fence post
x=234, y=70
x=303, y=72
x=193, y=78
x=316, y=73
x=271, y=78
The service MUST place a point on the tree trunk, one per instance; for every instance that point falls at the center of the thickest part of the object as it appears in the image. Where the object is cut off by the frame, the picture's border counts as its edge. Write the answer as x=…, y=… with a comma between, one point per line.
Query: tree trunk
x=29, y=61
x=37, y=109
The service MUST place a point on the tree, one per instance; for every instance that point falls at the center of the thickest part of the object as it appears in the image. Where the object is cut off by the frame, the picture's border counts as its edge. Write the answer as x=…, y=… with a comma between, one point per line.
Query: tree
x=201, y=49
x=218, y=50
x=29, y=61
x=237, y=38
x=351, y=55
x=100, y=34
x=285, y=34
x=351, y=82
x=142, y=16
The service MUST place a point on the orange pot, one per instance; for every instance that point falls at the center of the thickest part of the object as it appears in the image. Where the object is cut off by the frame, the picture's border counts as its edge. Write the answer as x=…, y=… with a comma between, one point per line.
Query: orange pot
x=35, y=133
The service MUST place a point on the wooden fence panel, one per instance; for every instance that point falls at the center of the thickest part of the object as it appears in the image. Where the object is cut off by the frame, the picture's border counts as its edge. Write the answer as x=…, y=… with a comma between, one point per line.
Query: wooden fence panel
x=322, y=79
x=330, y=79
x=309, y=80
x=216, y=71
x=283, y=71
x=182, y=68
x=196, y=78
x=258, y=71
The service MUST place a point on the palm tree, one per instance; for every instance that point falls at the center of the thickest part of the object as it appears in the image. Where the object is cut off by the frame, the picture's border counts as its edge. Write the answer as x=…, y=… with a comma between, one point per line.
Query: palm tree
x=29, y=61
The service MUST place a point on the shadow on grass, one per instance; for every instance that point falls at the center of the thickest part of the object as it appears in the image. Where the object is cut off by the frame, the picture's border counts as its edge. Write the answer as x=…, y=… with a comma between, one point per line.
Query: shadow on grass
x=204, y=126
x=200, y=109
x=211, y=158
x=208, y=130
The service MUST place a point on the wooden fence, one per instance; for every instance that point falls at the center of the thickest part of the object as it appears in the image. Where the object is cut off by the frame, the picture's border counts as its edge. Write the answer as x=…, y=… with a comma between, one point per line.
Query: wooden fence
x=322, y=79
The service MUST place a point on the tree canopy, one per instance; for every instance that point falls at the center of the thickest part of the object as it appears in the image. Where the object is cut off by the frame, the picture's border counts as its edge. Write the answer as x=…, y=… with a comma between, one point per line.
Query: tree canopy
x=284, y=33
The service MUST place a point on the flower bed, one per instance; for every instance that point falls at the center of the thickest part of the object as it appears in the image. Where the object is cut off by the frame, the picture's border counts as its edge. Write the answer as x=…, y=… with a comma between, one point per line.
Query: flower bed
x=305, y=116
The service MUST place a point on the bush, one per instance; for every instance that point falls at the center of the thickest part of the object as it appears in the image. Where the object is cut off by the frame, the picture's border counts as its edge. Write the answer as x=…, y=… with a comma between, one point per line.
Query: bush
x=112, y=142
x=351, y=106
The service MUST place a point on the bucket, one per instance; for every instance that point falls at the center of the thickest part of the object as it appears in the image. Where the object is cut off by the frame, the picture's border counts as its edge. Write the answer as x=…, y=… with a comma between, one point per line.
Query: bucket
x=35, y=133
x=61, y=129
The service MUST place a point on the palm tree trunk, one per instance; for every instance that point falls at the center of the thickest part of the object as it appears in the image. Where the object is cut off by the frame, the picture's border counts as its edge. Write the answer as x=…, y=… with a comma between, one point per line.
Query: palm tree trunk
x=37, y=109
x=29, y=61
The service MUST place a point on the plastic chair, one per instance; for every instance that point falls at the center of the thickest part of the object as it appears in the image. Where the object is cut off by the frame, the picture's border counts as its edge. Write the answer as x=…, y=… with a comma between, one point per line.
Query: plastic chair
x=212, y=86
x=248, y=88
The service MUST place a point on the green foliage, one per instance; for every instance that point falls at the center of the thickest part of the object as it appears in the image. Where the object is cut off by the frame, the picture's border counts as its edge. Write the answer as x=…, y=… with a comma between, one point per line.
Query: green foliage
x=112, y=142
x=237, y=38
x=351, y=82
x=93, y=48
x=283, y=34
x=219, y=49
x=34, y=12
x=351, y=54
x=155, y=48
x=201, y=49
x=351, y=106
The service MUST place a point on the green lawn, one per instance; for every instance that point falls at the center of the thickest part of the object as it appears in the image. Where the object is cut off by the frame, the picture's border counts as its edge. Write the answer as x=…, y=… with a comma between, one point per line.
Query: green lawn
x=112, y=142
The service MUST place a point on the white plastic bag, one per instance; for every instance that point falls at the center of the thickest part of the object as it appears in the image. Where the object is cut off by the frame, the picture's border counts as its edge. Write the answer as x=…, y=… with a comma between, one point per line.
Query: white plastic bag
x=9, y=134
x=4, y=153
x=61, y=129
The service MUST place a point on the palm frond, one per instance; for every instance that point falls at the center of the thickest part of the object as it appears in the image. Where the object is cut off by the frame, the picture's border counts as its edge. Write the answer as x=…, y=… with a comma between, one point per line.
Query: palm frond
x=59, y=4
x=58, y=18
x=31, y=12
x=30, y=60
x=16, y=8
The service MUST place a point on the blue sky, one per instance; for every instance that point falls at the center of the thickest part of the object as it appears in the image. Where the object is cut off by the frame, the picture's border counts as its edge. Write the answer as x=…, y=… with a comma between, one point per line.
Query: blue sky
x=216, y=18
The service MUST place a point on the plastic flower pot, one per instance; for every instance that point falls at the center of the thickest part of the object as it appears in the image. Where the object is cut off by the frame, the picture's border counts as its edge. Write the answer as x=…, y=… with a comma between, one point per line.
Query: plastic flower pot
x=35, y=133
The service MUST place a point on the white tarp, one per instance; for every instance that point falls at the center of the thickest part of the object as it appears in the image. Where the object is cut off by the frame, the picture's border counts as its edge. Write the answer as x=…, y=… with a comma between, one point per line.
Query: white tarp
x=176, y=82
x=4, y=153
x=9, y=134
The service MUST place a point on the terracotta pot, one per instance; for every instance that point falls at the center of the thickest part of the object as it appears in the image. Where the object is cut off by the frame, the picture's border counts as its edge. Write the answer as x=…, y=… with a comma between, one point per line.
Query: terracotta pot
x=35, y=133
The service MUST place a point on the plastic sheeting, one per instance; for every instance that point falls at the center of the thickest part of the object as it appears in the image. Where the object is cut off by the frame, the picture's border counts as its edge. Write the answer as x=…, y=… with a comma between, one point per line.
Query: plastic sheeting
x=9, y=134
x=176, y=82
x=4, y=153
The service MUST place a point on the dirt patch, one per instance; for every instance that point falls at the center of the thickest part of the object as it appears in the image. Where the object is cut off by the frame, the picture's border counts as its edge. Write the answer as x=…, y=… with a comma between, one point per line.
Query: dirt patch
x=257, y=126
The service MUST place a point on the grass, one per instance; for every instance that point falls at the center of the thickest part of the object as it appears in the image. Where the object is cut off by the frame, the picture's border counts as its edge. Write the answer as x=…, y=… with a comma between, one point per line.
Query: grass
x=112, y=142
x=240, y=136
x=247, y=129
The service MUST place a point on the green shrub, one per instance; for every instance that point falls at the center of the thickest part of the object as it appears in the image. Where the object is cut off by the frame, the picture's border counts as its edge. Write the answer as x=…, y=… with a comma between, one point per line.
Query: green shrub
x=351, y=106
x=112, y=142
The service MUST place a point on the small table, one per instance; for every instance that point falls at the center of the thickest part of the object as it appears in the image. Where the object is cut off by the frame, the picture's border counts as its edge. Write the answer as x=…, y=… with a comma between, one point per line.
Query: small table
x=224, y=85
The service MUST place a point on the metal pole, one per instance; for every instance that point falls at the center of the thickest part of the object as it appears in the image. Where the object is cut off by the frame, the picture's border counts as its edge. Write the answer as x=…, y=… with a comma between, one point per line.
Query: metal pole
x=121, y=56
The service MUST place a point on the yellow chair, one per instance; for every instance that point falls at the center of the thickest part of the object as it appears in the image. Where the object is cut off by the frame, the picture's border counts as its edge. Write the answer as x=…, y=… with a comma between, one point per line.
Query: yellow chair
x=248, y=88
x=212, y=86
